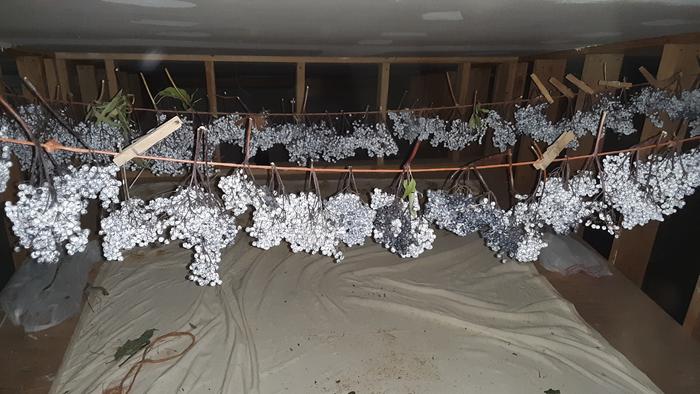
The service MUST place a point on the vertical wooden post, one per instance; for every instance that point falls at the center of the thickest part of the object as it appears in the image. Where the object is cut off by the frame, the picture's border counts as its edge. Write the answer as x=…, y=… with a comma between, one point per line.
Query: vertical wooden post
x=2, y=83
x=87, y=82
x=300, y=87
x=134, y=87
x=32, y=67
x=504, y=83
x=630, y=253
x=111, y=75
x=526, y=176
x=383, y=94
x=596, y=67
x=211, y=85
x=51, y=79
x=691, y=323
x=463, y=74
x=462, y=89
x=63, y=81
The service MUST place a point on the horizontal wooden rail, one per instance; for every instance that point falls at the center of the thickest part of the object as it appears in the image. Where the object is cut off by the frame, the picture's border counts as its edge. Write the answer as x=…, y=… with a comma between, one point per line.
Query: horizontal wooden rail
x=284, y=59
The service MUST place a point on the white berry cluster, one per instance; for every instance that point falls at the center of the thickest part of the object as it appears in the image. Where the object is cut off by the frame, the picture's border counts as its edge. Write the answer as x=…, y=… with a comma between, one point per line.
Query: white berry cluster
x=564, y=204
x=648, y=190
x=127, y=227
x=5, y=165
x=351, y=218
x=240, y=192
x=312, y=141
x=47, y=217
x=516, y=233
x=398, y=226
x=459, y=213
x=193, y=215
x=300, y=220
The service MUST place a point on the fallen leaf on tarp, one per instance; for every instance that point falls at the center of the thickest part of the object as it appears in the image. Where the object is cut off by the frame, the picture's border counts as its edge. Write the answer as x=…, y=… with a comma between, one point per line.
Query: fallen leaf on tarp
x=552, y=391
x=132, y=346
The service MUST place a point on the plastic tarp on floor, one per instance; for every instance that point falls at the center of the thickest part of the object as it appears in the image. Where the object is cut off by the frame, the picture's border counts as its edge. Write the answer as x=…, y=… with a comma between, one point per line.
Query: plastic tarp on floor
x=455, y=320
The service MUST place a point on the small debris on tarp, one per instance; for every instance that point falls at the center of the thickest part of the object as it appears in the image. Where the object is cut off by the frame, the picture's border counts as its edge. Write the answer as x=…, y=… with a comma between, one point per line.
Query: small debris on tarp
x=552, y=391
x=133, y=346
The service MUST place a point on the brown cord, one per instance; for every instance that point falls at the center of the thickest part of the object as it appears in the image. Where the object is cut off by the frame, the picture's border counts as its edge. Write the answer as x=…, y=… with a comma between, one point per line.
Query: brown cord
x=136, y=368
x=318, y=114
x=338, y=170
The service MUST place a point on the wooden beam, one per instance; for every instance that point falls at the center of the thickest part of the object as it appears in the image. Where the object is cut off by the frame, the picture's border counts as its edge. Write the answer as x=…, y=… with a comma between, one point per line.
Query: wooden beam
x=595, y=68
x=631, y=252
x=111, y=76
x=624, y=46
x=383, y=94
x=63, y=80
x=211, y=85
x=51, y=78
x=87, y=82
x=300, y=88
x=463, y=75
x=563, y=89
x=285, y=59
x=541, y=88
x=383, y=86
x=504, y=81
x=691, y=323
x=32, y=67
x=134, y=87
x=2, y=83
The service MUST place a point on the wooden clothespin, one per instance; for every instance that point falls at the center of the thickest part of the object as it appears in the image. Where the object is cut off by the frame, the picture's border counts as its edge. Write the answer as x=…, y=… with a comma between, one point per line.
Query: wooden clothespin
x=543, y=89
x=143, y=143
x=580, y=84
x=615, y=84
x=553, y=150
x=562, y=88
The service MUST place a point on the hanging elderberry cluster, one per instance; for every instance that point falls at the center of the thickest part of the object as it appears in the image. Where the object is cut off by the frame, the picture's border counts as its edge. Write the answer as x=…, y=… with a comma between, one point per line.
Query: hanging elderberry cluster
x=351, y=218
x=240, y=192
x=398, y=225
x=648, y=190
x=332, y=140
x=132, y=224
x=563, y=204
x=462, y=214
x=192, y=215
x=5, y=165
x=312, y=141
x=47, y=218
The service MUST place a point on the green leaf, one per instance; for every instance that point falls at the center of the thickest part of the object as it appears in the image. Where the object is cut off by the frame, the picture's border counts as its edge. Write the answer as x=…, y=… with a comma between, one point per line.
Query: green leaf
x=132, y=346
x=409, y=187
x=178, y=94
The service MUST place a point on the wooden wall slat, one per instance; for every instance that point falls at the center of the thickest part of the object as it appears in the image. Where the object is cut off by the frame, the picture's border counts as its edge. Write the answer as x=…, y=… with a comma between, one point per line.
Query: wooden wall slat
x=631, y=252
x=211, y=85
x=32, y=67
x=51, y=79
x=65, y=92
x=111, y=76
x=87, y=82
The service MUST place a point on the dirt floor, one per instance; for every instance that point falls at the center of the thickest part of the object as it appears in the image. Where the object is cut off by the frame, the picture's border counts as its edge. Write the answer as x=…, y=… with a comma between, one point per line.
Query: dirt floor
x=628, y=319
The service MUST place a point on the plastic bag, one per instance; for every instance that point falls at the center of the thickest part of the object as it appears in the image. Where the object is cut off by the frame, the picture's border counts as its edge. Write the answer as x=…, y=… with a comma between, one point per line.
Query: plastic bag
x=26, y=301
x=568, y=255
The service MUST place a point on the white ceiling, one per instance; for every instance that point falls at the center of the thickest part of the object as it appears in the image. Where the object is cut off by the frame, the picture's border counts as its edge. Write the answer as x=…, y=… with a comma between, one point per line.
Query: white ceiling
x=339, y=27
